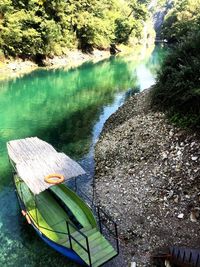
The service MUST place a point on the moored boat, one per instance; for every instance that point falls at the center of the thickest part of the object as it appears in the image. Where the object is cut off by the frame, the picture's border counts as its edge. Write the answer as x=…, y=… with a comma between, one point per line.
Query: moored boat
x=59, y=216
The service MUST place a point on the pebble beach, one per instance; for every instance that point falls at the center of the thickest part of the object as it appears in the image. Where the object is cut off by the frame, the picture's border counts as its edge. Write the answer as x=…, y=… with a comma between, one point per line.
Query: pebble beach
x=147, y=177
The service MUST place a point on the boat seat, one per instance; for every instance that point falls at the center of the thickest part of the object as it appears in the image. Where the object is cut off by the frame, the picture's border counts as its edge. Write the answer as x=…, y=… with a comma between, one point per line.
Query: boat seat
x=50, y=215
x=71, y=204
x=43, y=226
x=50, y=209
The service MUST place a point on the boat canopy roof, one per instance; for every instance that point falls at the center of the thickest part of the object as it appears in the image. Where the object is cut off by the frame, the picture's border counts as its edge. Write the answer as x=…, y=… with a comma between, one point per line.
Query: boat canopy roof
x=34, y=159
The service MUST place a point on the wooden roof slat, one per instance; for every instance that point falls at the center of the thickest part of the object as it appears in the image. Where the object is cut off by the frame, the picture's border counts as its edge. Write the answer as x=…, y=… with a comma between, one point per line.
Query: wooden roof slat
x=34, y=159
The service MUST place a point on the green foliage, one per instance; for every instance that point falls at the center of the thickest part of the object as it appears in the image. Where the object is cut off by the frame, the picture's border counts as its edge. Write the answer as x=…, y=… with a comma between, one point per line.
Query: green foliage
x=44, y=27
x=185, y=121
x=5, y=6
x=183, y=18
x=178, y=86
x=122, y=30
x=177, y=90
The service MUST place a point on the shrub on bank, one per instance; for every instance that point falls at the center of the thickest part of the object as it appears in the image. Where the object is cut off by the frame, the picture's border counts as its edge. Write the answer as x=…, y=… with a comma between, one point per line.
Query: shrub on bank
x=177, y=90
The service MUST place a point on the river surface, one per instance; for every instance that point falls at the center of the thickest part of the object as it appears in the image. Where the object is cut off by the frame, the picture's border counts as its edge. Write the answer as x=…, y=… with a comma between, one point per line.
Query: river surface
x=68, y=109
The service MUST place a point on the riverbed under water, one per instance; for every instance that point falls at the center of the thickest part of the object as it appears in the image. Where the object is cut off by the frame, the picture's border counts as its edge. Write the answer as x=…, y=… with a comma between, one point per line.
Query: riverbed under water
x=68, y=109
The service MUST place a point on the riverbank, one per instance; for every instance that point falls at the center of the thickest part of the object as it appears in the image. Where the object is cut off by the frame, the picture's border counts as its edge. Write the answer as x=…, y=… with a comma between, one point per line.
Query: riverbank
x=16, y=68
x=147, y=176
x=19, y=67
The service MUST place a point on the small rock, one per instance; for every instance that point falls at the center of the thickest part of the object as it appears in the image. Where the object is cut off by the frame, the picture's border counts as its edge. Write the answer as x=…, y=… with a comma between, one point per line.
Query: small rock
x=192, y=144
x=133, y=264
x=176, y=199
x=171, y=193
x=193, y=217
x=179, y=153
x=164, y=155
x=180, y=216
x=194, y=158
x=187, y=196
x=171, y=133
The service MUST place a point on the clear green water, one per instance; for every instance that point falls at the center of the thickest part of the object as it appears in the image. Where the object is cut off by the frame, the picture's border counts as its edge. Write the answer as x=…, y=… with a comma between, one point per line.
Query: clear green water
x=67, y=109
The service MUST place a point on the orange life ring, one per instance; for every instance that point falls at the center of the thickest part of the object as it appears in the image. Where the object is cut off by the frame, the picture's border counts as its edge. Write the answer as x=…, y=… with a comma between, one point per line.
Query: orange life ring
x=54, y=178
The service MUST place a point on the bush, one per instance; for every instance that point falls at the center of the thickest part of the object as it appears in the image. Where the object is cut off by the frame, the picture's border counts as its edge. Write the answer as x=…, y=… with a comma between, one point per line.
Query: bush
x=177, y=90
x=181, y=20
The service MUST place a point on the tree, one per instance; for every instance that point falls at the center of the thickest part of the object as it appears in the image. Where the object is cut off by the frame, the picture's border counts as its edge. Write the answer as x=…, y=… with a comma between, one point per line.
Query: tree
x=181, y=20
x=32, y=28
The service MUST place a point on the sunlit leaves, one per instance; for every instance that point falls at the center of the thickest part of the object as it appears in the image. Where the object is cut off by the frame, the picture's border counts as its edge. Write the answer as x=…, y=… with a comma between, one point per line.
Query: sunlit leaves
x=182, y=19
x=31, y=27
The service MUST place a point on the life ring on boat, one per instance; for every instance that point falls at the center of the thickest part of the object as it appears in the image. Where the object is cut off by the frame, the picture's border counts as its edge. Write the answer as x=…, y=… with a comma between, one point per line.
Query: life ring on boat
x=54, y=178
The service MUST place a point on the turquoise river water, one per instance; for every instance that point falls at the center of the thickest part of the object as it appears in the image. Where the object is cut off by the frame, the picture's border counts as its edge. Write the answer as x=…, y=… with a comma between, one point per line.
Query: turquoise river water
x=67, y=108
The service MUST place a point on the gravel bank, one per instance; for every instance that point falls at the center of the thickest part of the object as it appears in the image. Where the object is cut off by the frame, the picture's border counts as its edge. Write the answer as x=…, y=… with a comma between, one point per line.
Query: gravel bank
x=147, y=176
x=19, y=67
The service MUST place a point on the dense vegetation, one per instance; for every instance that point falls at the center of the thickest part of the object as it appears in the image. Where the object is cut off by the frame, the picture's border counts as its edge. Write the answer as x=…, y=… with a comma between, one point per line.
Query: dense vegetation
x=178, y=85
x=182, y=20
x=44, y=27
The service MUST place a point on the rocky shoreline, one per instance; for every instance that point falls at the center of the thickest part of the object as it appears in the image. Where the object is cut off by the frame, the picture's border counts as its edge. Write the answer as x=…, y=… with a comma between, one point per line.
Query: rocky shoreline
x=19, y=67
x=147, y=176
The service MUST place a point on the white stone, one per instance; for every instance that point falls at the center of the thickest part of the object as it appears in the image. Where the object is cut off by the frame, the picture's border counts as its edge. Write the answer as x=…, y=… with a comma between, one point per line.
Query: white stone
x=179, y=153
x=192, y=144
x=133, y=264
x=164, y=155
x=180, y=216
x=194, y=158
x=171, y=133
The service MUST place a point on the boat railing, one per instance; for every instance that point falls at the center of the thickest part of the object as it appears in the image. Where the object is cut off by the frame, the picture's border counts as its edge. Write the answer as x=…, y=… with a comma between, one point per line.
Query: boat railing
x=104, y=219
x=71, y=237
